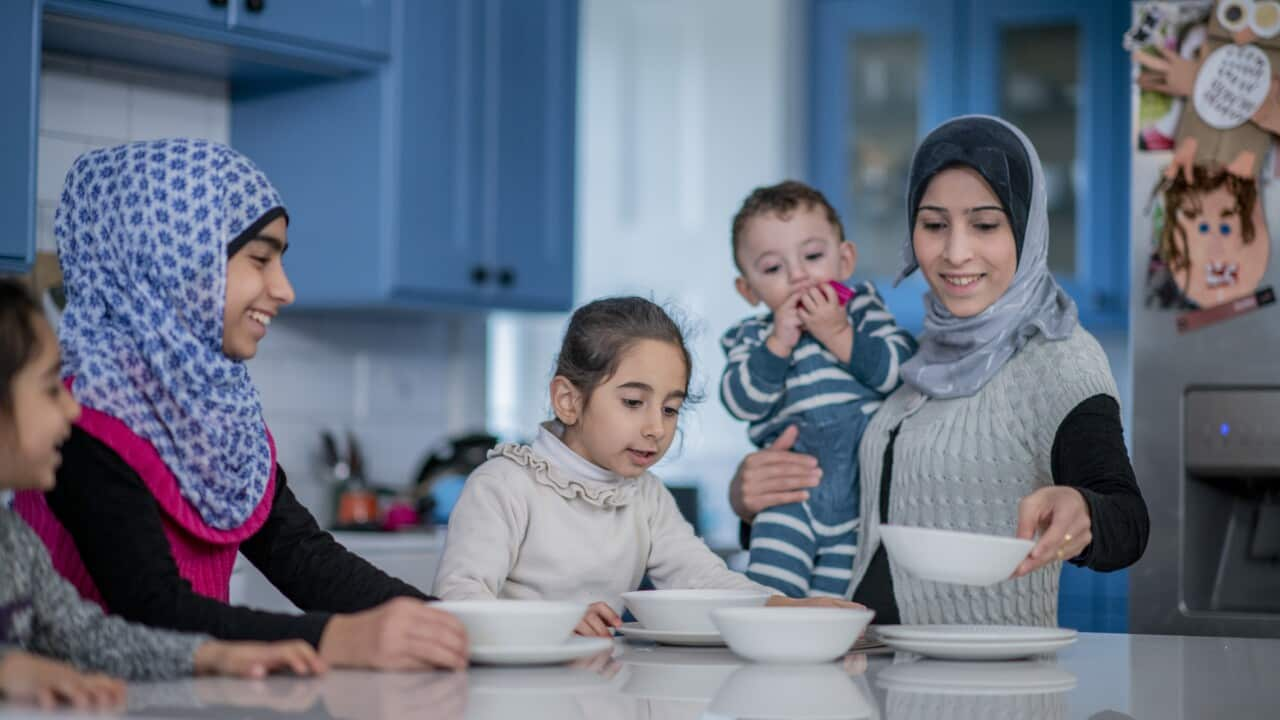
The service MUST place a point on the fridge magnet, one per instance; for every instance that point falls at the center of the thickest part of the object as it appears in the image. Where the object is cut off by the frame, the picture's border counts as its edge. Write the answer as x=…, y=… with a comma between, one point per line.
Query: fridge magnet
x=1229, y=81
x=1166, y=39
x=1196, y=319
x=1210, y=241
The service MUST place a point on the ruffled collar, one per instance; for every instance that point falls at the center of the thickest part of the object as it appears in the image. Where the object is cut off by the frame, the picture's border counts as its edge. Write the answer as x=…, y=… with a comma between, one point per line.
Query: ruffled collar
x=566, y=472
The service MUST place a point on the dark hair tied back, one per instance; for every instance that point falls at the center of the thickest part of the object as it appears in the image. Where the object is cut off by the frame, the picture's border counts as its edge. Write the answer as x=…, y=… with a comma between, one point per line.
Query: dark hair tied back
x=601, y=331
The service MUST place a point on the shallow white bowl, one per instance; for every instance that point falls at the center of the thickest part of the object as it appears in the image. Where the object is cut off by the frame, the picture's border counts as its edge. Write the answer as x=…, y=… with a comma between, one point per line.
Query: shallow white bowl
x=686, y=610
x=951, y=556
x=790, y=634
x=512, y=623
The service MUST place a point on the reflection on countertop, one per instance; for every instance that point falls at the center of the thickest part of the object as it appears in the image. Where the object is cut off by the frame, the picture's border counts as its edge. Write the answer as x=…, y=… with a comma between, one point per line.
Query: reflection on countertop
x=1102, y=676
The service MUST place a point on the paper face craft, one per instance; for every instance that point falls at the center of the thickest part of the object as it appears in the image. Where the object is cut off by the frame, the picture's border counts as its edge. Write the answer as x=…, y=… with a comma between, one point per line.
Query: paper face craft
x=1212, y=246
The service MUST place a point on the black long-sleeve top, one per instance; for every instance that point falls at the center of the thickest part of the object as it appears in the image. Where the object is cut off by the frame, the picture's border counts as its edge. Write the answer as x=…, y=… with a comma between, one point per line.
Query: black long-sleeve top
x=1089, y=455
x=118, y=530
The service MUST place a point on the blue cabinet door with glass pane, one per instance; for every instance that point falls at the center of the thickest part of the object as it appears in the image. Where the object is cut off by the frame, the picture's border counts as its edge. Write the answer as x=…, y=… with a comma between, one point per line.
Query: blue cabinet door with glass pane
x=1058, y=71
x=881, y=71
x=19, y=75
x=883, y=74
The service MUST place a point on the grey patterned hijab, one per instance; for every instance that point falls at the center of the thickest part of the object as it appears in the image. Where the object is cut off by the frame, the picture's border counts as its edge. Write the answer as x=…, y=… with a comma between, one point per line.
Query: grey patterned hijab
x=959, y=355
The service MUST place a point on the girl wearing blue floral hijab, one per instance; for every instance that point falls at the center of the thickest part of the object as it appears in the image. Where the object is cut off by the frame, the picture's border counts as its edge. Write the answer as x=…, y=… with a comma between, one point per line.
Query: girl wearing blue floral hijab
x=172, y=254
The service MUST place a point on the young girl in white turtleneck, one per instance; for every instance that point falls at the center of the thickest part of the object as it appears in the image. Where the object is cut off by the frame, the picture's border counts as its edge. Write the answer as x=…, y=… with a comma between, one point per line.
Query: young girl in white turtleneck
x=577, y=515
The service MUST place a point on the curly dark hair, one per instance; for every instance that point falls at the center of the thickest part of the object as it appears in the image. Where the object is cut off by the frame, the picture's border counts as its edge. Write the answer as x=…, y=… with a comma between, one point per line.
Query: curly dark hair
x=781, y=200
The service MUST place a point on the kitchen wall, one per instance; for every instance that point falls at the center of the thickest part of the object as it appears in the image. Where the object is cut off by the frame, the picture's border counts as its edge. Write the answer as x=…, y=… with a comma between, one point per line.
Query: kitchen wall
x=400, y=382
x=683, y=108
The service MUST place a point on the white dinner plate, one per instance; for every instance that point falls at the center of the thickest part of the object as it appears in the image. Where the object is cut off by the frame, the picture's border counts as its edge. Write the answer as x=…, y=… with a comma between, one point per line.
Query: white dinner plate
x=572, y=649
x=971, y=650
x=974, y=633
x=693, y=639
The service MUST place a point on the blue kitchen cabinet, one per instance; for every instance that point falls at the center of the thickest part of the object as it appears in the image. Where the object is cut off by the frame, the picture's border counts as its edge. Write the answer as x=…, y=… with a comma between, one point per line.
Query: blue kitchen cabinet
x=884, y=74
x=458, y=192
x=524, y=178
x=232, y=38
x=19, y=76
x=355, y=25
x=208, y=12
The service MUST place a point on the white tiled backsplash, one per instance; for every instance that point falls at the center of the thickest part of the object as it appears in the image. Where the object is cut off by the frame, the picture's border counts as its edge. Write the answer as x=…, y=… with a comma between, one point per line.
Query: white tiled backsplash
x=400, y=383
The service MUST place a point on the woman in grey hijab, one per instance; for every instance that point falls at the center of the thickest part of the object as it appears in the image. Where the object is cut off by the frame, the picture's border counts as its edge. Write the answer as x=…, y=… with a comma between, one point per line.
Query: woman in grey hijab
x=1008, y=421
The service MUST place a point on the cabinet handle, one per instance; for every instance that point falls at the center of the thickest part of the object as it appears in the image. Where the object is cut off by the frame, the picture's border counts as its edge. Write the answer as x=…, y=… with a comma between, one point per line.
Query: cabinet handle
x=479, y=275
x=255, y=6
x=506, y=277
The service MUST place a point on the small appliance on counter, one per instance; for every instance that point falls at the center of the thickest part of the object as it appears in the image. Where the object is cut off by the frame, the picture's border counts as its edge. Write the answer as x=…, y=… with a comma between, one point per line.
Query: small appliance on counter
x=358, y=505
x=444, y=471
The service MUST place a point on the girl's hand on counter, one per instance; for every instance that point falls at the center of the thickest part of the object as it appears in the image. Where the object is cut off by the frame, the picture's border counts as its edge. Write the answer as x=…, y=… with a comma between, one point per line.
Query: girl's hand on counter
x=400, y=634
x=257, y=659
x=28, y=678
x=599, y=621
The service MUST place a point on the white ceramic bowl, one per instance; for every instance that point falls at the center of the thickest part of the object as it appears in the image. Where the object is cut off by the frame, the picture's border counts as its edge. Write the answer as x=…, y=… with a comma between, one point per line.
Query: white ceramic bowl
x=790, y=634
x=951, y=556
x=513, y=623
x=686, y=610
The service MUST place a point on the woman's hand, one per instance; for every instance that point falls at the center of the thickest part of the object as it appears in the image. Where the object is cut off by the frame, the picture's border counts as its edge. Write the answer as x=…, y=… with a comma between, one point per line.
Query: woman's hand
x=48, y=683
x=830, y=602
x=257, y=659
x=773, y=476
x=599, y=621
x=1062, y=517
x=400, y=634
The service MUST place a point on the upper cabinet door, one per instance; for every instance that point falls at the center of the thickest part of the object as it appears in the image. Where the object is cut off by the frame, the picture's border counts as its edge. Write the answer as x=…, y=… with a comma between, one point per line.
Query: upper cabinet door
x=527, y=159
x=1058, y=72
x=212, y=12
x=361, y=25
x=19, y=74
x=883, y=75
x=438, y=250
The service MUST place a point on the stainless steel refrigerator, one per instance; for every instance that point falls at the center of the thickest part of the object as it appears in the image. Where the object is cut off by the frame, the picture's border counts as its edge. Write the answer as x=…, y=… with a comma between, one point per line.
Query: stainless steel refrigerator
x=1205, y=341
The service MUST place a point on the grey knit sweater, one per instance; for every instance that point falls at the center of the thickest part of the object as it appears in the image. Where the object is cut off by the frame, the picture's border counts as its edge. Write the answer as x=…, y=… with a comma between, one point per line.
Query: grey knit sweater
x=42, y=613
x=965, y=463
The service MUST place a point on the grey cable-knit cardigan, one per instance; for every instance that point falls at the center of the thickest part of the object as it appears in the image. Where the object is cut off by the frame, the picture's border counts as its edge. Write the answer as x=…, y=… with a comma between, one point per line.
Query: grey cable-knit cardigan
x=42, y=613
x=965, y=463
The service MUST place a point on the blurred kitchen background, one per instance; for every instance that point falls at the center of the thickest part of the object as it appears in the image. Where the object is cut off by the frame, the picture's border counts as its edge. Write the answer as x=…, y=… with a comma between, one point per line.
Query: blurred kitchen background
x=461, y=173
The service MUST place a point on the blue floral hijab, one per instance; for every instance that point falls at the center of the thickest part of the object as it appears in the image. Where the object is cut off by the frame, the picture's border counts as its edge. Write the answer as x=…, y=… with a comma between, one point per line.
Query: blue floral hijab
x=144, y=232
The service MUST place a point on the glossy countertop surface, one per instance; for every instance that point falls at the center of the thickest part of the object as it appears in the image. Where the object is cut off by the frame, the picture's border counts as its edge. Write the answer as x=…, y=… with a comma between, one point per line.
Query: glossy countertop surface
x=1103, y=677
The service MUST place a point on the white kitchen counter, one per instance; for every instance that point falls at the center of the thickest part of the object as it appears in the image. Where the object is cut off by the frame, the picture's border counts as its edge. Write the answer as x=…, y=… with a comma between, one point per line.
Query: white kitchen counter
x=1102, y=677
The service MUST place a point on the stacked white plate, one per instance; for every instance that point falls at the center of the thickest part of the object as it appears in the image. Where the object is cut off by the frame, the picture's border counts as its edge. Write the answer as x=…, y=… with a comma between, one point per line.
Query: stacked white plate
x=976, y=642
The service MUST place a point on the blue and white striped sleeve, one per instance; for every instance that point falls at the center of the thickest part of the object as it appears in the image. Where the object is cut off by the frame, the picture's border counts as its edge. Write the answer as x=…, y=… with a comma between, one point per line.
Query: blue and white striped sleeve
x=880, y=347
x=752, y=385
